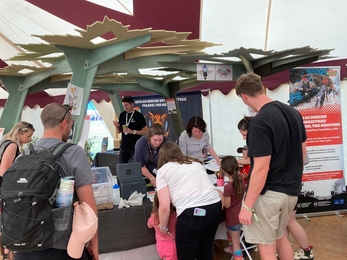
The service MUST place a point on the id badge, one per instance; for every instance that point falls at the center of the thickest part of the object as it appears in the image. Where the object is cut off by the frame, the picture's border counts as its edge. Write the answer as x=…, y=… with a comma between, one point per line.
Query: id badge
x=199, y=212
x=155, y=171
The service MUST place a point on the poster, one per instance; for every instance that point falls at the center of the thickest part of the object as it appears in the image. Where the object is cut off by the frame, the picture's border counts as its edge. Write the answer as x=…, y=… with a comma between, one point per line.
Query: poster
x=74, y=97
x=155, y=110
x=224, y=72
x=171, y=106
x=212, y=72
x=205, y=72
x=315, y=93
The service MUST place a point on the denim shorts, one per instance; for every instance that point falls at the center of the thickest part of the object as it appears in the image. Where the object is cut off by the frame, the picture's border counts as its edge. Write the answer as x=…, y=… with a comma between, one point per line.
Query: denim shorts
x=236, y=227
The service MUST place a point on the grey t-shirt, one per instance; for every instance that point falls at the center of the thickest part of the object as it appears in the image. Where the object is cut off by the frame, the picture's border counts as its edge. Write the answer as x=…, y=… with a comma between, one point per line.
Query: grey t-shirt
x=75, y=163
x=193, y=147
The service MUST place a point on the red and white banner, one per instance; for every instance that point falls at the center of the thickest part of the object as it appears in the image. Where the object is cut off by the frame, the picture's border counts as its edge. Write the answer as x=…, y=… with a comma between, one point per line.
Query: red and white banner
x=315, y=93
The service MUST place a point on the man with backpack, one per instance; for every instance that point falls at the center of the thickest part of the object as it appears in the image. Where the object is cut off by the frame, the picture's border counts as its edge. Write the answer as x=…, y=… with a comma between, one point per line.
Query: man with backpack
x=57, y=122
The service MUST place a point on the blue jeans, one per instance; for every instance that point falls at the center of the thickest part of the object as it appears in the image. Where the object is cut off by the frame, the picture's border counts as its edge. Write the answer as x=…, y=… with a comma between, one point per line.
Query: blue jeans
x=195, y=234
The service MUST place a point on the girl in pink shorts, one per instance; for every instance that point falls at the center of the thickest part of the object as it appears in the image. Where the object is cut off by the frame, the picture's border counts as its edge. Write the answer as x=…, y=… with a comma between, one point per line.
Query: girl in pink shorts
x=166, y=245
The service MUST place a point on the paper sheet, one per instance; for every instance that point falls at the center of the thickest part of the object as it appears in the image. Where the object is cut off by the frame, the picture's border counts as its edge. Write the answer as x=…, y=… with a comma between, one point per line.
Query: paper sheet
x=212, y=165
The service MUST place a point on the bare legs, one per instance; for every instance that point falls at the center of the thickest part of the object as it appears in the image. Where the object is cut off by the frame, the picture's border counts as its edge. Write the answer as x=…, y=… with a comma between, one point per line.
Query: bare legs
x=297, y=231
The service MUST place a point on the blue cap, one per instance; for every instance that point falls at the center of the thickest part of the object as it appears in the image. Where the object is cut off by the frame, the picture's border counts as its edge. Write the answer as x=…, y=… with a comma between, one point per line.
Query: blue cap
x=115, y=186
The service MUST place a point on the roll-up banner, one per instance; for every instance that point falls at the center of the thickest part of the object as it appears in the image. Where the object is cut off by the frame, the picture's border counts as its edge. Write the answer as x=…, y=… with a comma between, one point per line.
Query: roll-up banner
x=315, y=93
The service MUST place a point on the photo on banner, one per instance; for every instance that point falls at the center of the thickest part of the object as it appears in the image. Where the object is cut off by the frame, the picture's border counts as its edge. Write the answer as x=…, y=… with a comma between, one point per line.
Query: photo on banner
x=155, y=110
x=315, y=93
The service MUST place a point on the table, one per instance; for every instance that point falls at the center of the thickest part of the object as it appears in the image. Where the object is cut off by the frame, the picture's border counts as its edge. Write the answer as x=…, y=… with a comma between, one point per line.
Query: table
x=126, y=228
x=107, y=159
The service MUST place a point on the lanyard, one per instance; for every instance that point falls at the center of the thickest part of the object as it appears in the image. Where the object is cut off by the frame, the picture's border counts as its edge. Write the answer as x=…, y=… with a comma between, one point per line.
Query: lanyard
x=151, y=153
x=126, y=118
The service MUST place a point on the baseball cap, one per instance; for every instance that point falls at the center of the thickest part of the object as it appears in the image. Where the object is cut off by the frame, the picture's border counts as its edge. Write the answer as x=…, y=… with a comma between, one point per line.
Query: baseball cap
x=239, y=150
x=84, y=227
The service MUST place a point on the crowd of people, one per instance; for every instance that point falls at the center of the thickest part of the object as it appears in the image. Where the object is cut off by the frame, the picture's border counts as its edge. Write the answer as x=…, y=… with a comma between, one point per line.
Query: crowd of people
x=260, y=196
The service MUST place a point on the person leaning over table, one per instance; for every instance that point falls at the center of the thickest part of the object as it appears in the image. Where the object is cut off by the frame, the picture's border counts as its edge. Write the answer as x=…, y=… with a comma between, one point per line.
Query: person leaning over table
x=132, y=125
x=182, y=182
x=195, y=140
x=293, y=227
x=146, y=152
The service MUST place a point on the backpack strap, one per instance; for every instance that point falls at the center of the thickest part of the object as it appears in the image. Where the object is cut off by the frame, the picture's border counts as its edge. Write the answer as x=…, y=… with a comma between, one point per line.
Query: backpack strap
x=60, y=148
x=3, y=147
x=57, y=151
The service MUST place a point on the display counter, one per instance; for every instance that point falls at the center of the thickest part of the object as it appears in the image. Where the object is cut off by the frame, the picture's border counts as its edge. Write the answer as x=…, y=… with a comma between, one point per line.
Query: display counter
x=125, y=229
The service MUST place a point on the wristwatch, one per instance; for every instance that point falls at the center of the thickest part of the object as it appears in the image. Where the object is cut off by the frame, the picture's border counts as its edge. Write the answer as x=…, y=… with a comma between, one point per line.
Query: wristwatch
x=134, y=132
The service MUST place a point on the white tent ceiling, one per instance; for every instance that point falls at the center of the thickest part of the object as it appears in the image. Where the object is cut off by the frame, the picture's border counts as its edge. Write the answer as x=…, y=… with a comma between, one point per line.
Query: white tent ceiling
x=275, y=24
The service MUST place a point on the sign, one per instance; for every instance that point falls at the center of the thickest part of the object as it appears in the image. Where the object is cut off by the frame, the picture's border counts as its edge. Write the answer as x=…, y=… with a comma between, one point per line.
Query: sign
x=315, y=93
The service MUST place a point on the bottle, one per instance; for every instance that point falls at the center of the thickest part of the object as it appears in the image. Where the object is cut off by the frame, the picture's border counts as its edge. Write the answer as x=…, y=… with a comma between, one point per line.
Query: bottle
x=116, y=194
x=65, y=192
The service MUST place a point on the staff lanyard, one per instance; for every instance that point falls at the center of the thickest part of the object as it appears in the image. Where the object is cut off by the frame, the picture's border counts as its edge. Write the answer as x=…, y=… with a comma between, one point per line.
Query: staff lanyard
x=126, y=118
x=151, y=153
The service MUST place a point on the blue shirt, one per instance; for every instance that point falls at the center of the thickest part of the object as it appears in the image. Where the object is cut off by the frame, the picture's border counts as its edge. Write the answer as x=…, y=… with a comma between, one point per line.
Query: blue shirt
x=146, y=154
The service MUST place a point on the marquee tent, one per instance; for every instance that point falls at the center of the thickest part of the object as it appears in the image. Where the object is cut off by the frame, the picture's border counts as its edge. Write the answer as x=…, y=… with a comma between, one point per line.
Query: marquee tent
x=222, y=23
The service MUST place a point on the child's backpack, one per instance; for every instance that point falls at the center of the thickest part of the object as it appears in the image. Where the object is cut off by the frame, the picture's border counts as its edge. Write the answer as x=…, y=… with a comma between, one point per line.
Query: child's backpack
x=28, y=194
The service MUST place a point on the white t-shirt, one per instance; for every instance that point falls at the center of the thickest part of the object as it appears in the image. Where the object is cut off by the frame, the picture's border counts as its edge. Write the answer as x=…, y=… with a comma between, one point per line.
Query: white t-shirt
x=188, y=184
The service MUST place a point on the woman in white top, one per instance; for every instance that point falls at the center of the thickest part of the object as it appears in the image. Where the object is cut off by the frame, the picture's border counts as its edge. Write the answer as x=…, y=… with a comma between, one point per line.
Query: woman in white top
x=195, y=140
x=182, y=180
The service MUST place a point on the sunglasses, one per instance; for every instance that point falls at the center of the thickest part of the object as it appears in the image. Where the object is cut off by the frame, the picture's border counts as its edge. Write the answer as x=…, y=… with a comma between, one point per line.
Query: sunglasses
x=68, y=108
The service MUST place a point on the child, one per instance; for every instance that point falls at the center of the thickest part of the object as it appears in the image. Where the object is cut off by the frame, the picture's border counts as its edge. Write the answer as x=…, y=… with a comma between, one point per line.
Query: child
x=233, y=194
x=245, y=162
x=166, y=245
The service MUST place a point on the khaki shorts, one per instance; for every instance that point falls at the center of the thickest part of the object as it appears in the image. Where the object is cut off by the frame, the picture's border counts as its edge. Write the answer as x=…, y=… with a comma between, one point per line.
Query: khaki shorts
x=273, y=210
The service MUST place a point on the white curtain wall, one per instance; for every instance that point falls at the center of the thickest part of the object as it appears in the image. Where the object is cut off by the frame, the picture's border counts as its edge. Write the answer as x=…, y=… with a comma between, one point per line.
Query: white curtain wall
x=223, y=112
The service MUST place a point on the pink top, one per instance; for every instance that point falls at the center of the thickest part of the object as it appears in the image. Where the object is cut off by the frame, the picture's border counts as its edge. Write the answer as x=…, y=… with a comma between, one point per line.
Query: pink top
x=172, y=227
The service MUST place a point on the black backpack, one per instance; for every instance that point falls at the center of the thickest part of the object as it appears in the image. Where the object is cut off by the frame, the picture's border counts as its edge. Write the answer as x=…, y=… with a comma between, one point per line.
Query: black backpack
x=28, y=194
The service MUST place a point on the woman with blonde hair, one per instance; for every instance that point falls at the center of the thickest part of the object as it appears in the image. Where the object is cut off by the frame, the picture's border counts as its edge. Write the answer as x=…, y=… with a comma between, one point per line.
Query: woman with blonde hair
x=12, y=143
x=10, y=146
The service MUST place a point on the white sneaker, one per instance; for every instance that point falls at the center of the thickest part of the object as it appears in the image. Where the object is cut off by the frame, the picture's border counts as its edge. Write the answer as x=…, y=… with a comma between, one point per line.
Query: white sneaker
x=228, y=250
x=304, y=254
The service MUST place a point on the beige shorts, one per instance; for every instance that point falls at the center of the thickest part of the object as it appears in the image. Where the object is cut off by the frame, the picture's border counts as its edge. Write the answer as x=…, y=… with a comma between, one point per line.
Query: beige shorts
x=273, y=210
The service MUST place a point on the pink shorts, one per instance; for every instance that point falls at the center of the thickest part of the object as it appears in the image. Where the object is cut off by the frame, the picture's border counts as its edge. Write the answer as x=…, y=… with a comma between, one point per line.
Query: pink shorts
x=167, y=250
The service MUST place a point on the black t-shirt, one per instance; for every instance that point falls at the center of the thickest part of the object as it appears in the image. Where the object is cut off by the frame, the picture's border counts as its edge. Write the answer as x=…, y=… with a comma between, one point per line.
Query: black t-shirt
x=278, y=130
x=137, y=122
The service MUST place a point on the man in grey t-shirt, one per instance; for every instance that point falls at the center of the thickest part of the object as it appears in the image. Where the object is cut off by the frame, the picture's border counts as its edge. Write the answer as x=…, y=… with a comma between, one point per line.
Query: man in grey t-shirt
x=57, y=122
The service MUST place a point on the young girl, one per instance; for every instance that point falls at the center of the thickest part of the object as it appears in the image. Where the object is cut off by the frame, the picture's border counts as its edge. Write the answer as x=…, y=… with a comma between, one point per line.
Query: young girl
x=233, y=194
x=166, y=245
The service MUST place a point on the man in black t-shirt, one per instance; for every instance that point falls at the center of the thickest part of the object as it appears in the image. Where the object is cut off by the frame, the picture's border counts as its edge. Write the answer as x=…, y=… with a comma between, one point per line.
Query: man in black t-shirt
x=276, y=140
x=132, y=125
